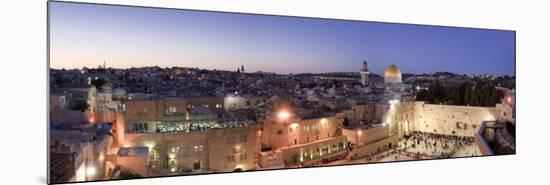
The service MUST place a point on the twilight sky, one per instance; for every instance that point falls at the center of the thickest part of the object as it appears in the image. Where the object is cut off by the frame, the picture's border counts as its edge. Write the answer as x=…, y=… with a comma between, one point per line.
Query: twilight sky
x=86, y=35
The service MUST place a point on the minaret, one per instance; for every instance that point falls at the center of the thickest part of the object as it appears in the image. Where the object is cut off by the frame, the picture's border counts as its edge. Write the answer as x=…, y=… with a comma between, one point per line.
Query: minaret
x=365, y=74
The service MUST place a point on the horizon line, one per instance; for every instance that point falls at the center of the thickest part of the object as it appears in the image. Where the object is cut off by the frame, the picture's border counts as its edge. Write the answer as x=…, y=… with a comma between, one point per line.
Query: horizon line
x=258, y=71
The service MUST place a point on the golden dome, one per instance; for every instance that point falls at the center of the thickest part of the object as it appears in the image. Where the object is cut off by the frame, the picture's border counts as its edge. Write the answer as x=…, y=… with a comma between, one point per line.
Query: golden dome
x=392, y=74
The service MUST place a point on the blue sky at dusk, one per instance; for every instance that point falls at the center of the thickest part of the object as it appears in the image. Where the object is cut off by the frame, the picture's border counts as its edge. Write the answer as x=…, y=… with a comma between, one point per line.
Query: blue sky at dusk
x=86, y=35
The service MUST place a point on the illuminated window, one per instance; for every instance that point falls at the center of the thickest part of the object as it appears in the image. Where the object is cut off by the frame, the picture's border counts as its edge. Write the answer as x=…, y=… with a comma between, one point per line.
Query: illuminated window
x=152, y=155
x=197, y=165
x=237, y=149
x=175, y=149
x=172, y=110
x=198, y=148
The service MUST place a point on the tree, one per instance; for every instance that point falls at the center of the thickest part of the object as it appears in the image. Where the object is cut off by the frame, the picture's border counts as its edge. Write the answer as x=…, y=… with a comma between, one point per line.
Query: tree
x=80, y=105
x=474, y=94
x=98, y=82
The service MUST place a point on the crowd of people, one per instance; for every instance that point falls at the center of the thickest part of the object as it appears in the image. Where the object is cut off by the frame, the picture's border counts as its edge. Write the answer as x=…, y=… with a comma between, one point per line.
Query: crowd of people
x=437, y=145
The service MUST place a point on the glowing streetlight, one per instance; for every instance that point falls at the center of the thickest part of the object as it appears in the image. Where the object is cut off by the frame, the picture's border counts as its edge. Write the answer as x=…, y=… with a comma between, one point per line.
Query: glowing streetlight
x=150, y=144
x=91, y=171
x=171, y=155
x=283, y=115
x=359, y=133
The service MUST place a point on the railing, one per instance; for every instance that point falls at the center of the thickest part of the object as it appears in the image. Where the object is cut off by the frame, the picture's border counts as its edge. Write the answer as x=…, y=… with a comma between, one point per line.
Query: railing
x=200, y=125
x=169, y=126
x=482, y=144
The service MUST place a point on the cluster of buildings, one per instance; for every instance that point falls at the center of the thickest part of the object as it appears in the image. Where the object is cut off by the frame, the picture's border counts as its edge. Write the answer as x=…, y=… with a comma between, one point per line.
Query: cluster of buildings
x=157, y=122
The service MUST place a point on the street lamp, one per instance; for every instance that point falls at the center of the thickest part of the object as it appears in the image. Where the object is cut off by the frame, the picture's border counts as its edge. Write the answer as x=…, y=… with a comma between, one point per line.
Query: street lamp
x=91, y=171
x=283, y=115
x=359, y=133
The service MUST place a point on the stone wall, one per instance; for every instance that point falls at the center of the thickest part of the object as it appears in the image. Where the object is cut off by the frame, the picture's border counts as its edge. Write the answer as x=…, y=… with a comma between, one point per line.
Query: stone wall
x=366, y=136
x=451, y=120
x=374, y=147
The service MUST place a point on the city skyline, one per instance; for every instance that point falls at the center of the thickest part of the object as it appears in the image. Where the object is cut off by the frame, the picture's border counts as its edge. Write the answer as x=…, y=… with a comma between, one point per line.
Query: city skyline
x=128, y=37
x=99, y=66
x=113, y=122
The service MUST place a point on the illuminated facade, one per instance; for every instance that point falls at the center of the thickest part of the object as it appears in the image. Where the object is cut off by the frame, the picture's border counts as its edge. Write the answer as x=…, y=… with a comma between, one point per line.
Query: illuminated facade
x=293, y=141
x=190, y=135
x=216, y=150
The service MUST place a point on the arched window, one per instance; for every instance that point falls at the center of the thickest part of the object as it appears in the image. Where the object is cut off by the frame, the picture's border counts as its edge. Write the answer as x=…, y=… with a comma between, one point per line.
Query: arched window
x=197, y=165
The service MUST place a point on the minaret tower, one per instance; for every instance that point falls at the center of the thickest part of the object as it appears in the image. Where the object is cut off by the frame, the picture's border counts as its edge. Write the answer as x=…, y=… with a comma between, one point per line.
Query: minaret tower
x=365, y=74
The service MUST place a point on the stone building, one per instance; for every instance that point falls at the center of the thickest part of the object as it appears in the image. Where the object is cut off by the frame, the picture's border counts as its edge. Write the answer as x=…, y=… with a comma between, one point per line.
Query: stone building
x=292, y=140
x=215, y=150
x=188, y=135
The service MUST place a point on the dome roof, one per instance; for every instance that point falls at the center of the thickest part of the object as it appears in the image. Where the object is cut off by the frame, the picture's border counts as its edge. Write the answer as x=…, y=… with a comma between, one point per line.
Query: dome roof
x=120, y=93
x=107, y=88
x=392, y=74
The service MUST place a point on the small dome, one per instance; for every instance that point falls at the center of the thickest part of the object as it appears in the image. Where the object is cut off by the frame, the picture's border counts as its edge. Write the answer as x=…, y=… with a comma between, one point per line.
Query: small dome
x=120, y=93
x=106, y=88
x=392, y=74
